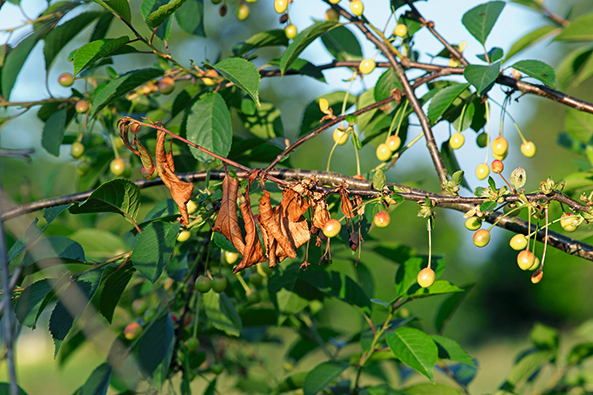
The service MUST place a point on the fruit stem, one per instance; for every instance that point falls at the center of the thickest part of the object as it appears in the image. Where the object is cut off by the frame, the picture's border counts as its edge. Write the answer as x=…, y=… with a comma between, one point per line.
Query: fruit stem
x=331, y=153
x=512, y=119
x=487, y=106
x=541, y=266
x=243, y=283
x=347, y=95
x=398, y=154
x=399, y=124
x=357, y=158
x=429, y=227
x=197, y=316
x=115, y=152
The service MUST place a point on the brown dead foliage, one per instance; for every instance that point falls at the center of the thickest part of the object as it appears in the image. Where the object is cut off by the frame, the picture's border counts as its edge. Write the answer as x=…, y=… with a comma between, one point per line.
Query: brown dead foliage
x=227, y=221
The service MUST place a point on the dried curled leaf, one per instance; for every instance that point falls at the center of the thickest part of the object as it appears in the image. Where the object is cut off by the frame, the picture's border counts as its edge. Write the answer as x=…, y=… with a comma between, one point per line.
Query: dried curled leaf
x=253, y=252
x=227, y=221
x=321, y=215
x=347, y=208
x=142, y=152
x=180, y=190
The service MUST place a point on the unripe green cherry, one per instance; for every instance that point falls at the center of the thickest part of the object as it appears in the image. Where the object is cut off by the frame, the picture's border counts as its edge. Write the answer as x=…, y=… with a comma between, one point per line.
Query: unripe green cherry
x=280, y=6
x=203, y=284
x=482, y=171
x=331, y=228
x=482, y=238
x=183, y=236
x=528, y=149
x=393, y=143
x=192, y=344
x=253, y=296
x=456, y=141
x=400, y=30
x=500, y=147
x=482, y=140
x=77, y=149
x=383, y=152
x=216, y=368
x=242, y=12
x=367, y=66
x=340, y=136
x=518, y=242
x=117, y=167
x=83, y=167
x=426, y=277
x=357, y=7
x=536, y=263
x=525, y=259
x=473, y=223
x=66, y=80
x=332, y=15
x=256, y=279
x=291, y=31
x=219, y=284
x=139, y=306
x=382, y=219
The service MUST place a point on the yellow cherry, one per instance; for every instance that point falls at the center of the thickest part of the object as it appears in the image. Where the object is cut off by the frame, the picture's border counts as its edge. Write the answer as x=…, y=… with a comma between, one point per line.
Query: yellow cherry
x=482, y=171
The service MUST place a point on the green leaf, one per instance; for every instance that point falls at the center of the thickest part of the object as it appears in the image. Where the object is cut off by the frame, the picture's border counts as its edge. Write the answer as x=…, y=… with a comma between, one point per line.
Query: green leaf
x=5, y=387
x=338, y=285
x=431, y=389
x=13, y=63
x=28, y=304
x=468, y=116
x=302, y=41
x=115, y=196
x=156, y=345
x=221, y=313
x=118, y=7
x=88, y=54
x=312, y=115
x=529, y=39
x=61, y=35
x=493, y=55
x=223, y=242
x=579, y=125
x=242, y=73
x=53, y=132
x=443, y=99
x=386, y=83
x=150, y=7
x=122, y=85
x=379, y=180
x=480, y=20
x=113, y=289
x=190, y=17
x=414, y=348
x=450, y=349
x=98, y=244
x=382, y=389
x=269, y=38
x=407, y=273
x=438, y=288
x=572, y=64
x=538, y=70
x=488, y=205
x=284, y=290
x=544, y=337
x=482, y=77
x=102, y=26
x=153, y=248
x=209, y=125
x=322, y=376
x=265, y=122
x=53, y=250
x=159, y=16
x=342, y=44
x=581, y=29
x=71, y=305
x=579, y=353
x=528, y=365
x=365, y=99
x=448, y=307
x=98, y=381
x=293, y=382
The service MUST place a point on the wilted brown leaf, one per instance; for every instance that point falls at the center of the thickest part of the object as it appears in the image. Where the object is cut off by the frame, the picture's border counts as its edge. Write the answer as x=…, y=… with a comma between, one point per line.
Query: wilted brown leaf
x=180, y=190
x=142, y=152
x=294, y=204
x=358, y=204
x=253, y=252
x=347, y=208
x=227, y=222
x=321, y=215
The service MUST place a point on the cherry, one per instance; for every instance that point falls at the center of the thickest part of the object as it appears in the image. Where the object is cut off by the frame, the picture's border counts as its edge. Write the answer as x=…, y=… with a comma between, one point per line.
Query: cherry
x=340, y=136
x=357, y=7
x=497, y=166
x=332, y=15
x=192, y=344
x=216, y=368
x=191, y=207
x=264, y=270
x=183, y=236
x=528, y=149
x=536, y=263
x=223, y=10
x=482, y=238
x=149, y=315
x=393, y=143
x=280, y=6
x=537, y=276
x=203, y=284
x=426, y=277
x=482, y=171
x=569, y=222
x=482, y=140
x=210, y=81
x=132, y=331
x=456, y=141
x=383, y=152
x=500, y=147
x=400, y=30
x=331, y=228
x=291, y=31
x=166, y=85
x=473, y=223
x=77, y=149
x=117, y=167
x=283, y=18
x=511, y=209
x=367, y=66
x=253, y=296
x=139, y=306
x=219, y=284
x=83, y=167
x=525, y=259
x=256, y=279
x=66, y=79
x=231, y=257
x=81, y=106
x=518, y=242
x=382, y=219
x=500, y=157
x=242, y=12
